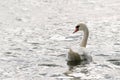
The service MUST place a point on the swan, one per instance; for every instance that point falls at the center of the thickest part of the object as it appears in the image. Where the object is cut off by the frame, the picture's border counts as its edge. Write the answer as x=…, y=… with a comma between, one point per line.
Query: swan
x=80, y=55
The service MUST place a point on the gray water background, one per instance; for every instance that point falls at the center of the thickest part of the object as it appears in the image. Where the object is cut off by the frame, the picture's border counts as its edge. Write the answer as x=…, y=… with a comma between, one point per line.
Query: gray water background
x=35, y=36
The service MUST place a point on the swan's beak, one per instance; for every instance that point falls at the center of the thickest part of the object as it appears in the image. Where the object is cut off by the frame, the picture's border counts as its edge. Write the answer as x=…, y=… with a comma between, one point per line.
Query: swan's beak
x=76, y=30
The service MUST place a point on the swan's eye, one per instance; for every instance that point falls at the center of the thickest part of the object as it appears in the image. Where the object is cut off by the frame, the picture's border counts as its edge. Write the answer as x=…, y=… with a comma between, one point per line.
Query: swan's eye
x=77, y=26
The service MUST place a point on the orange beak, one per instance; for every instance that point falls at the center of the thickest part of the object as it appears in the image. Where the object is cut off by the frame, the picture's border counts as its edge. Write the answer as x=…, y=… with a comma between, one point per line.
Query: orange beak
x=76, y=30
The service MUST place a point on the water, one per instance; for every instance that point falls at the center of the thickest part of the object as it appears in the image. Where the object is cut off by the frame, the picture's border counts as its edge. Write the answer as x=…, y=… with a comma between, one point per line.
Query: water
x=36, y=35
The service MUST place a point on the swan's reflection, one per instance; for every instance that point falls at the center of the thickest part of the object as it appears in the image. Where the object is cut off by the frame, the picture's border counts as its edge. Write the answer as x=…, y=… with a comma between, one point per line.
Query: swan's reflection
x=81, y=64
x=72, y=64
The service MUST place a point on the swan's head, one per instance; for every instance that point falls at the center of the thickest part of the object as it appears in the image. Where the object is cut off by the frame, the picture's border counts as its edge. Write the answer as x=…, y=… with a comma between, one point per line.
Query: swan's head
x=79, y=27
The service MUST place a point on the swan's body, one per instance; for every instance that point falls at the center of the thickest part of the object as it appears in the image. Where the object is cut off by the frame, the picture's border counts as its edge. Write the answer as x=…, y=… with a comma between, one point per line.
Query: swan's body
x=81, y=55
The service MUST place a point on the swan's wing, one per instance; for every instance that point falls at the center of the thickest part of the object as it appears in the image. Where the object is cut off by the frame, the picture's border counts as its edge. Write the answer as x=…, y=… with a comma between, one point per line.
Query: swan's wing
x=86, y=56
x=73, y=56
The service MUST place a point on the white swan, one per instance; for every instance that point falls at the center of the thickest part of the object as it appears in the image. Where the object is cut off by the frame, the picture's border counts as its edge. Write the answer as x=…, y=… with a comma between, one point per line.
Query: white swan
x=74, y=56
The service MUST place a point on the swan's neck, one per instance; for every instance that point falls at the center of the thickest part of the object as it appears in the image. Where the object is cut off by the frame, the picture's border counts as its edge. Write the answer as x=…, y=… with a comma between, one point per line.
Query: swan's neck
x=85, y=37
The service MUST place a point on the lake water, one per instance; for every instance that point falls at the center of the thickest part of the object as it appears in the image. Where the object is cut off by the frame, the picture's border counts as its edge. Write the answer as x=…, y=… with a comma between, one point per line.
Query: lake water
x=35, y=36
